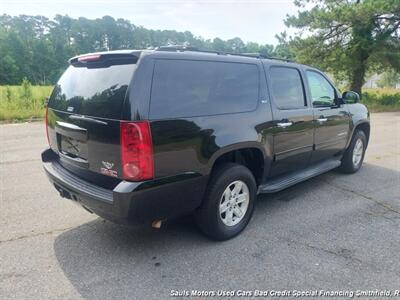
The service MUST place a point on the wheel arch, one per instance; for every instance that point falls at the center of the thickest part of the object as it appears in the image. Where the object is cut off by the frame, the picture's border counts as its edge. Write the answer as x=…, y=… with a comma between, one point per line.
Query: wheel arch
x=365, y=126
x=250, y=155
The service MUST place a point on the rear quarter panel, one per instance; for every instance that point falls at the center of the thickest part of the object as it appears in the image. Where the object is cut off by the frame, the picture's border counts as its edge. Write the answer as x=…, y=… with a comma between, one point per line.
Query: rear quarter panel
x=193, y=144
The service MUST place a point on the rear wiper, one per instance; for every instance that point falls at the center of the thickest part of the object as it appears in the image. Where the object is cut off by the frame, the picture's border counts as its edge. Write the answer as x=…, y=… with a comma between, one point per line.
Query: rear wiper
x=88, y=119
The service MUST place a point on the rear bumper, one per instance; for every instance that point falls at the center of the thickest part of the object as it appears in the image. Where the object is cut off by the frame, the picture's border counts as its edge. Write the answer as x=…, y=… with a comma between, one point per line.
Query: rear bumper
x=129, y=202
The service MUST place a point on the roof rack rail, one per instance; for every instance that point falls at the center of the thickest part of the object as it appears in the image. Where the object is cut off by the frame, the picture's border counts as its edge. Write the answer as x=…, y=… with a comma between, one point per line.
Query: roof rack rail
x=281, y=59
x=255, y=54
x=182, y=48
x=176, y=48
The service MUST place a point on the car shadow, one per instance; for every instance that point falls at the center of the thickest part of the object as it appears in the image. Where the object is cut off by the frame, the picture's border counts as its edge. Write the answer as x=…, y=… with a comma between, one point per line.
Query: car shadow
x=105, y=260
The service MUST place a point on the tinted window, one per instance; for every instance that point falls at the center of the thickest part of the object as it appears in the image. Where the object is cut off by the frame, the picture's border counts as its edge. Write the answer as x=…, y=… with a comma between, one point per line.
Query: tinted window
x=98, y=92
x=184, y=88
x=287, y=88
x=322, y=93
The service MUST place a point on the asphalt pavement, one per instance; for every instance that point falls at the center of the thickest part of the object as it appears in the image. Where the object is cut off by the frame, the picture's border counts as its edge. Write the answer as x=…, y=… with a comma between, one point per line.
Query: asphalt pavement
x=333, y=232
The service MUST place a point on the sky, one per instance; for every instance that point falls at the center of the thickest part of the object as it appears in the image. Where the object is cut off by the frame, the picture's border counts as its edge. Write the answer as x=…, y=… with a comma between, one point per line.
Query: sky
x=252, y=20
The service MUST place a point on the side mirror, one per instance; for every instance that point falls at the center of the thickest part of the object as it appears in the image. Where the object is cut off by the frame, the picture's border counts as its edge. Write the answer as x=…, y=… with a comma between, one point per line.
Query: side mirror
x=350, y=97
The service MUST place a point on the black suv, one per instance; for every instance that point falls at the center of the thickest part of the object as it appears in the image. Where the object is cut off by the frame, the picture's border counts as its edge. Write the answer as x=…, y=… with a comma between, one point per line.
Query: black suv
x=143, y=136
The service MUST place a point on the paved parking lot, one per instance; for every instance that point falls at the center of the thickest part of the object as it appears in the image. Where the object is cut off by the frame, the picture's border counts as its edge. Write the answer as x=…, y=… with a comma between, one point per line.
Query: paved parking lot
x=334, y=232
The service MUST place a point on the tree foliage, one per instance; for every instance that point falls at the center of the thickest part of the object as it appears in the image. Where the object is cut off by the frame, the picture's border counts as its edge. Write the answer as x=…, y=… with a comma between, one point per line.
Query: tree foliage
x=348, y=37
x=389, y=79
x=38, y=48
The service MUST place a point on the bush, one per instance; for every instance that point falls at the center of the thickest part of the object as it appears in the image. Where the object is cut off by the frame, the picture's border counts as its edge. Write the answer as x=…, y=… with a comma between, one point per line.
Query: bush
x=381, y=99
x=8, y=94
x=26, y=90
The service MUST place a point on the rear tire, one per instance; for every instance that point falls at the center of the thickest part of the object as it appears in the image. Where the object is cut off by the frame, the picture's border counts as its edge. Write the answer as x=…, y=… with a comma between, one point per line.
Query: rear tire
x=228, y=203
x=354, y=155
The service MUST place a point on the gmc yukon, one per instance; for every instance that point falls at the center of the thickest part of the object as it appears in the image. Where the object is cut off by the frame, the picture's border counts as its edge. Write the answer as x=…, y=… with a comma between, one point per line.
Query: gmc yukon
x=143, y=136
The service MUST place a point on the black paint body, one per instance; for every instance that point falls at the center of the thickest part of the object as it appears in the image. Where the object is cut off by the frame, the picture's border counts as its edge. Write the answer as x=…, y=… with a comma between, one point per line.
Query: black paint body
x=186, y=149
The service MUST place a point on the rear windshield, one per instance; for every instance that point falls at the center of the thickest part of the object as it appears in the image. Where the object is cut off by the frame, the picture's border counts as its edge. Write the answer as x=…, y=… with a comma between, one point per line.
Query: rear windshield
x=97, y=92
x=183, y=88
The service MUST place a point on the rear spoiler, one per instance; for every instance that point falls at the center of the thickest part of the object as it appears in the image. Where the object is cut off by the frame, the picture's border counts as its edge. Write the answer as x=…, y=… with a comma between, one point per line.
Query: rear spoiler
x=105, y=59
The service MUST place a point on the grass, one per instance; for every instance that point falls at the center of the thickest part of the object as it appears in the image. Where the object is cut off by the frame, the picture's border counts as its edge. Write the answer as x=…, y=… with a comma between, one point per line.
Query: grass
x=23, y=102
x=26, y=102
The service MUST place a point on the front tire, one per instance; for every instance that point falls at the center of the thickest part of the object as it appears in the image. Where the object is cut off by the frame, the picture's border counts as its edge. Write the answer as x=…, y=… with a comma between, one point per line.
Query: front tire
x=228, y=203
x=354, y=155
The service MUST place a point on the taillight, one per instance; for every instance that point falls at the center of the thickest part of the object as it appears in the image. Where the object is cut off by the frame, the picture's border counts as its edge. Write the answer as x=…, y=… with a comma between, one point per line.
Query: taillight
x=136, y=151
x=46, y=118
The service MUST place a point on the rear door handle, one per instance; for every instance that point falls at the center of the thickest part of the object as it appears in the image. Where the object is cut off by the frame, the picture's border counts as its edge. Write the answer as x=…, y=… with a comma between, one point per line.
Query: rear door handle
x=284, y=124
x=322, y=119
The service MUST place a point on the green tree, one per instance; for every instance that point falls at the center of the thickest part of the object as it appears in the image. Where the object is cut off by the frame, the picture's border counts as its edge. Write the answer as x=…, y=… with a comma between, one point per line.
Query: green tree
x=219, y=45
x=8, y=70
x=38, y=48
x=348, y=37
x=43, y=62
x=236, y=45
x=283, y=48
x=389, y=79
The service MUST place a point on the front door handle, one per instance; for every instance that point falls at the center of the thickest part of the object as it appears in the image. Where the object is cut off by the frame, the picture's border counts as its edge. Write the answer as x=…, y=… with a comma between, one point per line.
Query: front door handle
x=284, y=124
x=322, y=119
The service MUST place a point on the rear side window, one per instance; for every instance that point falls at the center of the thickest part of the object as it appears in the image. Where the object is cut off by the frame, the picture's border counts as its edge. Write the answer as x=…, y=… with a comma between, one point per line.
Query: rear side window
x=97, y=92
x=287, y=88
x=183, y=88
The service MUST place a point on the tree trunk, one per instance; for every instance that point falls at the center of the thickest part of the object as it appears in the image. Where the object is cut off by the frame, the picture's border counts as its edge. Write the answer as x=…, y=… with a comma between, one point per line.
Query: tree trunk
x=360, y=52
x=357, y=79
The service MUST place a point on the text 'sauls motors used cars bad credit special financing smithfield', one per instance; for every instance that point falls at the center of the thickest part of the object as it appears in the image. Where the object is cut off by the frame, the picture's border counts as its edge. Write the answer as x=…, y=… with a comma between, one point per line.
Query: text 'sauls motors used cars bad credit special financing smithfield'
x=143, y=136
